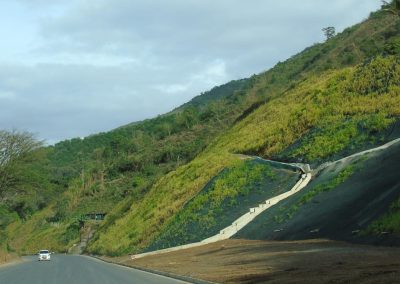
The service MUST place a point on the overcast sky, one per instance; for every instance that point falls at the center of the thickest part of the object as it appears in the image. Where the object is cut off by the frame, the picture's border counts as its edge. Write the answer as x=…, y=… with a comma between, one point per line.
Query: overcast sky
x=74, y=68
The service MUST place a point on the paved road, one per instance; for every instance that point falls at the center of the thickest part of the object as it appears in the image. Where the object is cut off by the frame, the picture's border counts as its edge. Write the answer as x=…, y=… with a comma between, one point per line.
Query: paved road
x=70, y=269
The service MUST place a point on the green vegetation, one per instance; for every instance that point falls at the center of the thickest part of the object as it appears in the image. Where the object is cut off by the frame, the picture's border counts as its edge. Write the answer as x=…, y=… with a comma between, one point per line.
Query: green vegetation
x=229, y=195
x=96, y=173
x=288, y=213
x=330, y=102
x=25, y=183
x=336, y=135
x=22, y=169
x=343, y=175
x=392, y=7
x=389, y=222
x=145, y=219
x=329, y=32
x=273, y=127
x=332, y=99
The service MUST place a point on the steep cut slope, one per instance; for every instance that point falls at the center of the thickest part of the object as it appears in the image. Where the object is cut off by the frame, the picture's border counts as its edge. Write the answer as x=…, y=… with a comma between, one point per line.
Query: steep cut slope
x=344, y=108
x=143, y=174
x=344, y=202
x=298, y=115
x=225, y=198
x=362, y=104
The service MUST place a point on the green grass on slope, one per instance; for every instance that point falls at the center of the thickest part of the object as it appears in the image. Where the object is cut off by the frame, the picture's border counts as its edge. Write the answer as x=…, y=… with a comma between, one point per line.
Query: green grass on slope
x=283, y=217
x=27, y=237
x=298, y=104
x=359, y=194
x=316, y=103
x=146, y=217
x=342, y=105
x=124, y=164
x=390, y=222
x=286, y=213
x=341, y=137
x=228, y=196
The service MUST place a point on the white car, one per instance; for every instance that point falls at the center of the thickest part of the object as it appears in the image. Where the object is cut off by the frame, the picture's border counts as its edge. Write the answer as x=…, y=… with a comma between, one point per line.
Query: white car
x=44, y=255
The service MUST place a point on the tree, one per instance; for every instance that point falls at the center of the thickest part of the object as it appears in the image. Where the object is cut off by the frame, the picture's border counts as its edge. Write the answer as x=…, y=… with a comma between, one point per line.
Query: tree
x=188, y=117
x=329, y=32
x=393, y=7
x=15, y=149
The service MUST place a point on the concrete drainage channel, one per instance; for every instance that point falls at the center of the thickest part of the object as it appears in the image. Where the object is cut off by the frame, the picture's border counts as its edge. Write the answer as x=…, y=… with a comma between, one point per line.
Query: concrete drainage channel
x=241, y=222
x=380, y=148
x=245, y=219
x=86, y=234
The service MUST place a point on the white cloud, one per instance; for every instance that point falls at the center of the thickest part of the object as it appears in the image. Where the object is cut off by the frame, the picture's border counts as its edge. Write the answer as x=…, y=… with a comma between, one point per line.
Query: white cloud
x=172, y=89
x=214, y=74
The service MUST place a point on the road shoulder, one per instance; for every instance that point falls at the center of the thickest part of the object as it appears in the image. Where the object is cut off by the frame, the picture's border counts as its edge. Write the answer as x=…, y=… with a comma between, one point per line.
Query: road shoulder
x=244, y=261
x=117, y=261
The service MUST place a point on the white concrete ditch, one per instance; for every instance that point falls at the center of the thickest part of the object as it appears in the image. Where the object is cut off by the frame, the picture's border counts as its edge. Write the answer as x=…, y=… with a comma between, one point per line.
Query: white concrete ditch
x=245, y=219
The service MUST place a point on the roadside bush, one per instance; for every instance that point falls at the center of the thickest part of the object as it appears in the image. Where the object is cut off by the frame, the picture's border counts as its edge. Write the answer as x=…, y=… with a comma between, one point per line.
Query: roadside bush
x=72, y=232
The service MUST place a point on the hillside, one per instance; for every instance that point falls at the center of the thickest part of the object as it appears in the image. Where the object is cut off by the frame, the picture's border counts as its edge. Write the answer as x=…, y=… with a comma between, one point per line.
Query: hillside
x=341, y=203
x=94, y=174
x=279, y=122
x=159, y=178
x=338, y=111
x=225, y=198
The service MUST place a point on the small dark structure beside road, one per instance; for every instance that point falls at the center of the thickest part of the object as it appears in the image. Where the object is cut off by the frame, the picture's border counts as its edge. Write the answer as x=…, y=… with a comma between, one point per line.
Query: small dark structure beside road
x=95, y=216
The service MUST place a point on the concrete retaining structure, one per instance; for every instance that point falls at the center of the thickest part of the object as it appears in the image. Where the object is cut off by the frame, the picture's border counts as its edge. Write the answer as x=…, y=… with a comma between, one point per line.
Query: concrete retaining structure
x=305, y=168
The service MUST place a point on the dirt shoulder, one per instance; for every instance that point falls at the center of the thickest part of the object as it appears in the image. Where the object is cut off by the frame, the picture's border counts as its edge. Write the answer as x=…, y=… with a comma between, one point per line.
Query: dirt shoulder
x=309, y=261
x=7, y=259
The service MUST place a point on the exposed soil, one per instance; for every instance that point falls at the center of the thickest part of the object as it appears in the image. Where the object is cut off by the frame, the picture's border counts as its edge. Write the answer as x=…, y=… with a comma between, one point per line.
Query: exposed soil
x=285, y=252
x=8, y=258
x=307, y=261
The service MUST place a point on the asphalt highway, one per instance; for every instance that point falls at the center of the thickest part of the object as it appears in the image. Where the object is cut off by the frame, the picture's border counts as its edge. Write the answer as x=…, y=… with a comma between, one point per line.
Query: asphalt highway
x=74, y=269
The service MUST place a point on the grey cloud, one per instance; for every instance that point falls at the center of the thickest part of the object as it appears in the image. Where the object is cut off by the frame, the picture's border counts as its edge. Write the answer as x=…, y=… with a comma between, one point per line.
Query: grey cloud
x=84, y=99
x=170, y=31
x=99, y=64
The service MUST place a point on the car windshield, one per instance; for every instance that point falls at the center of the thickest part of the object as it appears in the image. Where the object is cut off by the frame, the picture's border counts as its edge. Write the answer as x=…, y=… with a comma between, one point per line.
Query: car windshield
x=44, y=251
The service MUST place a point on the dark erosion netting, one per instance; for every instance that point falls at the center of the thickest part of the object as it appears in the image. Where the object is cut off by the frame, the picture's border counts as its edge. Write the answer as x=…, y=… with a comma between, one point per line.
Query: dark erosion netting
x=227, y=197
x=355, y=200
x=362, y=135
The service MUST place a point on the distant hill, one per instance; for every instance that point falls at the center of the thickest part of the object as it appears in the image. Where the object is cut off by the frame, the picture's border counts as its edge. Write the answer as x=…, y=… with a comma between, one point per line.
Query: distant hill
x=217, y=93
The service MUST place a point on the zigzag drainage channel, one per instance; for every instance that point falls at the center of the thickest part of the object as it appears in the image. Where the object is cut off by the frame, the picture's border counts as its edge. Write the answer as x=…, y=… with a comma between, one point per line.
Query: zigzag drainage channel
x=245, y=219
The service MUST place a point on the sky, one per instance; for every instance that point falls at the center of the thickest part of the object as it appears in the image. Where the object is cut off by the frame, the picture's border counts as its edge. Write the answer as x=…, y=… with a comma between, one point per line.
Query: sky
x=74, y=68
